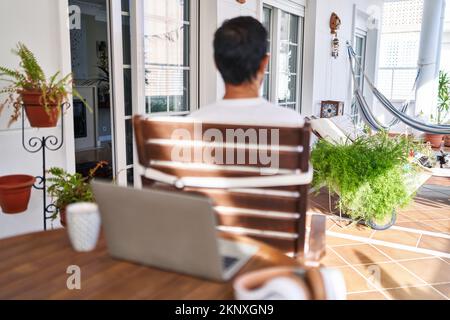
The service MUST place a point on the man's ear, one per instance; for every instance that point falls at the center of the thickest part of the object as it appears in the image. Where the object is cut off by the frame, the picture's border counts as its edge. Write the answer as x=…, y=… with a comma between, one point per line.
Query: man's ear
x=264, y=63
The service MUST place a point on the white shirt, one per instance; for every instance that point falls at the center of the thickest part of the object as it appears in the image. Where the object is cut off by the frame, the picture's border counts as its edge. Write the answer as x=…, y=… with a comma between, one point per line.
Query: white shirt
x=252, y=111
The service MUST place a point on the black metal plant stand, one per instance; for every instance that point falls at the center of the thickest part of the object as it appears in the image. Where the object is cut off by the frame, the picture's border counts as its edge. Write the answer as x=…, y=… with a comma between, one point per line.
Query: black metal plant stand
x=42, y=144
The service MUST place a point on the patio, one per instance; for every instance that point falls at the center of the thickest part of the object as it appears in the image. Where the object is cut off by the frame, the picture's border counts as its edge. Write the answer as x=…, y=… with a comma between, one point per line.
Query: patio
x=369, y=61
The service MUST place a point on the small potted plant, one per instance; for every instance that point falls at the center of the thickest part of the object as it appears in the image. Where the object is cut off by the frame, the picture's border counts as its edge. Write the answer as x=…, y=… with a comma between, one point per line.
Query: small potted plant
x=442, y=110
x=15, y=191
x=28, y=86
x=368, y=175
x=67, y=188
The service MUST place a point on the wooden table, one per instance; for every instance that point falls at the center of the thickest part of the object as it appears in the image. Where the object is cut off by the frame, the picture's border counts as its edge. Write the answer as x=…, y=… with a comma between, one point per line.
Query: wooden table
x=34, y=266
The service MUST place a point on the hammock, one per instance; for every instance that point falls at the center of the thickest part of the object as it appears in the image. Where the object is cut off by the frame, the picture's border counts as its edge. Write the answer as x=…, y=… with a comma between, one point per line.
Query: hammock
x=399, y=115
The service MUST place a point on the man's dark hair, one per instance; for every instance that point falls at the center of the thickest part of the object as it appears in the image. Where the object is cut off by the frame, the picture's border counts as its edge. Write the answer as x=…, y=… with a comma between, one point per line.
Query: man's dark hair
x=240, y=45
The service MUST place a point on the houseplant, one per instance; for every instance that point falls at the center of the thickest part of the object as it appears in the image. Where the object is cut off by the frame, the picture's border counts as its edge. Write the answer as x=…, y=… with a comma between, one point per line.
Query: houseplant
x=368, y=175
x=41, y=97
x=15, y=191
x=442, y=109
x=67, y=188
x=444, y=100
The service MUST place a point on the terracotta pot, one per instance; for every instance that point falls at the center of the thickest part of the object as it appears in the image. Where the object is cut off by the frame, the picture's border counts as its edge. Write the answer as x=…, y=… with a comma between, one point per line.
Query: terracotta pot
x=15, y=191
x=62, y=217
x=447, y=140
x=38, y=116
x=434, y=139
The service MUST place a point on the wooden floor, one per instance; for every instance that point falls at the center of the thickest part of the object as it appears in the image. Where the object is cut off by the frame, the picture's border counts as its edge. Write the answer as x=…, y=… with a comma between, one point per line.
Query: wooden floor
x=409, y=261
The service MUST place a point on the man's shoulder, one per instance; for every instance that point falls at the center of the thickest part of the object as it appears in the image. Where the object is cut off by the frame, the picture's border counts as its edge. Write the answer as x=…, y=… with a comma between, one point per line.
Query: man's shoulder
x=267, y=113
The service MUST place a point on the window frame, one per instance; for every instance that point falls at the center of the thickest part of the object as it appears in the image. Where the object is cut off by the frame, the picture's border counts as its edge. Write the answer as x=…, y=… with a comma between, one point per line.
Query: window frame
x=193, y=61
x=293, y=8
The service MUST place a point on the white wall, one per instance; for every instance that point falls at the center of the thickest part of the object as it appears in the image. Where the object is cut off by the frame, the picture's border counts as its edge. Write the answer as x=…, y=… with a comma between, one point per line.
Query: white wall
x=41, y=26
x=329, y=78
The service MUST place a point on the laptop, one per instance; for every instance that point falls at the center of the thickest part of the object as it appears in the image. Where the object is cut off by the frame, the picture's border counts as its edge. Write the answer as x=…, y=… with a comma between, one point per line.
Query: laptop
x=169, y=230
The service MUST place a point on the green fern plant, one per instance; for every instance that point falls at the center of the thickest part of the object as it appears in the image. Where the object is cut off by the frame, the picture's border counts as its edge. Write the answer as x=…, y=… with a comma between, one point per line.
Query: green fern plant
x=30, y=77
x=66, y=188
x=368, y=174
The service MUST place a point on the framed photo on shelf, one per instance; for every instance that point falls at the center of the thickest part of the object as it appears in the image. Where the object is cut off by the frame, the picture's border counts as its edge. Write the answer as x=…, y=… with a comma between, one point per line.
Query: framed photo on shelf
x=330, y=108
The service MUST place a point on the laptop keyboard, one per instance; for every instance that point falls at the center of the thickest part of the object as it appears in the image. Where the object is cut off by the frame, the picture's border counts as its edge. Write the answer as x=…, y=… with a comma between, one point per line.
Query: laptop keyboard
x=228, y=262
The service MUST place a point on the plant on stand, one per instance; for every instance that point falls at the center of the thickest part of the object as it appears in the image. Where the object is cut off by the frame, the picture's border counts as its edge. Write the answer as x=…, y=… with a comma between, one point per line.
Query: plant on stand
x=42, y=98
x=442, y=110
x=67, y=188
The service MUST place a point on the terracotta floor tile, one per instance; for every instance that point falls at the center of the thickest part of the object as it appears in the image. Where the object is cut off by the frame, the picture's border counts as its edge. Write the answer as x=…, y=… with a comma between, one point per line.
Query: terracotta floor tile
x=431, y=270
x=355, y=282
x=432, y=226
x=415, y=293
x=429, y=200
x=425, y=214
x=372, y=295
x=361, y=254
x=390, y=275
x=397, y=254
x=354, y=230
x=443, y=288
x=333, y=241
x=397, y=236
x=435, y=243
x=403, y=217
x=442, y=226
x=416, y=225
x=442, y=181
x=332, y=260
x=430, y=203
x=432, y=214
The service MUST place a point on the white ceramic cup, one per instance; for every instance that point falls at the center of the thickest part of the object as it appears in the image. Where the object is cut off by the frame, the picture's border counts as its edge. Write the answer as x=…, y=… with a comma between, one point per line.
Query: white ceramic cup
x=83, y=225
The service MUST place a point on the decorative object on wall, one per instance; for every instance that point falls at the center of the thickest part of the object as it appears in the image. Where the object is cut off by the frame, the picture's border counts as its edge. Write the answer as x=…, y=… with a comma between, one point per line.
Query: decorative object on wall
x=335, y=23
x=241, y=1
x=330, y=108
x=15, y=191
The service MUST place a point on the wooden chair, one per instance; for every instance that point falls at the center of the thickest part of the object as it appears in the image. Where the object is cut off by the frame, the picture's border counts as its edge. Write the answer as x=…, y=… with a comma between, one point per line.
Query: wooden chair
x=269, y=207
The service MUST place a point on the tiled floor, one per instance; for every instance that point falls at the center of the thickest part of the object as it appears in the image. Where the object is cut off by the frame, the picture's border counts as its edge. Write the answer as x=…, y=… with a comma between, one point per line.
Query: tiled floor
x=409, y=261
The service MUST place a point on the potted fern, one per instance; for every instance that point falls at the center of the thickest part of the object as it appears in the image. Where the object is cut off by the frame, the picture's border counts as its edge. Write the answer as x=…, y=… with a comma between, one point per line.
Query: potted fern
x=67, y=188
x=368, y=175
x=28, y=85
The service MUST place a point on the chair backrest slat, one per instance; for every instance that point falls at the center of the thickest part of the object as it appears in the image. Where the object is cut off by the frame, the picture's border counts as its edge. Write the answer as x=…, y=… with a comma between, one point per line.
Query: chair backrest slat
x=273, y=215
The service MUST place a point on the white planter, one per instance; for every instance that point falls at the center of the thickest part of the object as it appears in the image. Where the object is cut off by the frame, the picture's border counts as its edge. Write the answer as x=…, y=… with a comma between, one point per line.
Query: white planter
x=83, y=225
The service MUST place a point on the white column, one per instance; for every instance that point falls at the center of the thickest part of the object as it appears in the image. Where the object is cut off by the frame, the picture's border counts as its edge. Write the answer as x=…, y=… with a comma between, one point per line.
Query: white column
x=430, y=37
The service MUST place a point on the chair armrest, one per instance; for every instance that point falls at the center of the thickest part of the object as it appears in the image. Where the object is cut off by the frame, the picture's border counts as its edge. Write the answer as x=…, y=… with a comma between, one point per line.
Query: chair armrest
x=317, y=242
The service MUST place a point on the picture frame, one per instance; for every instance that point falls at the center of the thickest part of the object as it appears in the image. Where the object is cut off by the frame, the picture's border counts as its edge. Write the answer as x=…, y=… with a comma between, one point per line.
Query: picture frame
x=331, y=108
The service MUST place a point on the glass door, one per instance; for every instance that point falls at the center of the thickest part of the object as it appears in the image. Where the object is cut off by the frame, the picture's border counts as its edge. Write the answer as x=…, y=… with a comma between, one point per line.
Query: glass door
x=360, y=50
x=120, y=16
x=90, y=55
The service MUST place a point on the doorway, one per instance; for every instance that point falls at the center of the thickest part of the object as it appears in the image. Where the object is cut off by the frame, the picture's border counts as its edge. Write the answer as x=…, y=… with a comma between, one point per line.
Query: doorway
x=93, y=131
